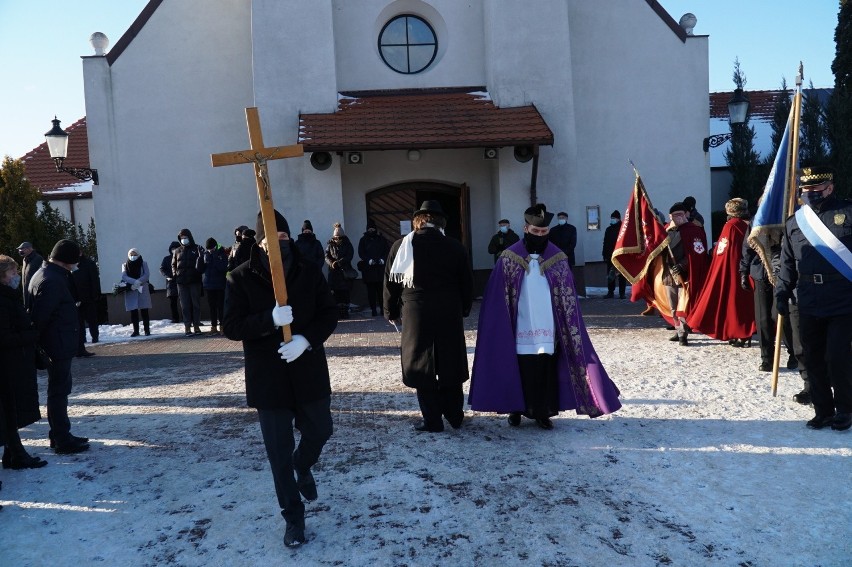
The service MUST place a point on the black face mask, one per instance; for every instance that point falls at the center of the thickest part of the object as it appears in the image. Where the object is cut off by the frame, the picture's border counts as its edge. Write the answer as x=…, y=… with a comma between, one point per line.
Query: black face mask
x=286, y=254
x=814, y=198
x=535, y=244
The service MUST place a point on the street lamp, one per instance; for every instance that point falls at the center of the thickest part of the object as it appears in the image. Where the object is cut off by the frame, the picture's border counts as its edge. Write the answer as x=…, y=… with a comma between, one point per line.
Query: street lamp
x=737, y=112
x=57, y=145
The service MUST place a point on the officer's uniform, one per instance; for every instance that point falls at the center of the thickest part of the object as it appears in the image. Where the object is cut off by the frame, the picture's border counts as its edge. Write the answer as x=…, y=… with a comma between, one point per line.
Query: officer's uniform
x=824, y=299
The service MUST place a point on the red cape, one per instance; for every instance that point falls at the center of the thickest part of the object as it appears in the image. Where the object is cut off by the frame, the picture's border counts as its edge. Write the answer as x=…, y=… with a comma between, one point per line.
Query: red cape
x=698, y=264
x=724, y=310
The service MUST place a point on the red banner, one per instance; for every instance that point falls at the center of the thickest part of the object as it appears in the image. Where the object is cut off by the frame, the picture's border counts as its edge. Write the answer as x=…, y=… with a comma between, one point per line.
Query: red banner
x=642, y=236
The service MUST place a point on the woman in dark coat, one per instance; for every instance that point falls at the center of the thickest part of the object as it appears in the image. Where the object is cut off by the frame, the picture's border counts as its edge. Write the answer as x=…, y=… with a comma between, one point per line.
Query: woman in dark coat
x=429, y=285
x=373, y=251
x=19, y=405
x=338, y=255
x=308, y=245
x=171, y=283
x=213, y=280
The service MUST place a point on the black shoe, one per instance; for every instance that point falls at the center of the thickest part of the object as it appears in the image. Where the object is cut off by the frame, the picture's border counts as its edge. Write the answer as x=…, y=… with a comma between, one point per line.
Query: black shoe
x=421, y=426
x=515, y=418
x=622, y=296
x=85, y=354
x=609, y=296
x=134, y=334
x=792, y=362
x=455, y=422
x=682, y=341
x=765, y=367
x=306, y=484
x=94, y=340
x=21, y=460
x=294, y=534
x=73, y=438
x=544, y=423
x=842, y=421
x=71, y=447
x=821, y=422
x=669, y=328
x=803, y=397
x=674, y=338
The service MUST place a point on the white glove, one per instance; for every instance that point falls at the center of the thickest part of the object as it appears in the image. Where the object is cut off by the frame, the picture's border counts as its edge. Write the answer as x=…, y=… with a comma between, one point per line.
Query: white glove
x=294, y=349
x=282, y=315
x=135, y=286
x=381, y=261
x=372, y=262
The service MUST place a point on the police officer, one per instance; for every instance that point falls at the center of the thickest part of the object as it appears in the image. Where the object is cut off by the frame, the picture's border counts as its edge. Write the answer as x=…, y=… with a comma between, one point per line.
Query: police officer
x=816, y=261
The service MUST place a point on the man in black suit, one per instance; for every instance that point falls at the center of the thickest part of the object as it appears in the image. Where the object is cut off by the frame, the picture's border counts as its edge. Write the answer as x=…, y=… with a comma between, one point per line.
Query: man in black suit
x=564, y=235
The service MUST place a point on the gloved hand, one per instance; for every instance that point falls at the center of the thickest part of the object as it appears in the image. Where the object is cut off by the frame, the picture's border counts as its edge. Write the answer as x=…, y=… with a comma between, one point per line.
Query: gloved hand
x=294, y=349
x=782, y=305
x=371, y=262
x=744, y=282
x=135, y=286
x=381, y=262
x=282, y=315
x=677, y=270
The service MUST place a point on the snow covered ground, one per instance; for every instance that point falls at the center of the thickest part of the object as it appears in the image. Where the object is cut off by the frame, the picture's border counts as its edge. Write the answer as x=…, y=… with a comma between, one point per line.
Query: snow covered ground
x=702, y=466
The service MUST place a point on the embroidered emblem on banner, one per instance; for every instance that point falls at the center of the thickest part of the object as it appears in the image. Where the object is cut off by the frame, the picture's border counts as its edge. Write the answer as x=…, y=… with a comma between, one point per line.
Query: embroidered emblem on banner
x=839, y=219
x=720, y=246
x=698, y=246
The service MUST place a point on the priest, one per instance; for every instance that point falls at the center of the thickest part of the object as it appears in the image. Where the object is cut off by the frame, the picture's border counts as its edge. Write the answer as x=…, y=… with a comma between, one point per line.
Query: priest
x=533, y=355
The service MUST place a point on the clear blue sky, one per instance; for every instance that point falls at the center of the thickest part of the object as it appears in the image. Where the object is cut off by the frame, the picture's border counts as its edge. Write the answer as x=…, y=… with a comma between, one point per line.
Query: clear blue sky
x=41, y=42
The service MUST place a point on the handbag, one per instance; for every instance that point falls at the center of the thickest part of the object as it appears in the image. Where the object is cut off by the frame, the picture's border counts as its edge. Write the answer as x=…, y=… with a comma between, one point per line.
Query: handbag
x=42, y=359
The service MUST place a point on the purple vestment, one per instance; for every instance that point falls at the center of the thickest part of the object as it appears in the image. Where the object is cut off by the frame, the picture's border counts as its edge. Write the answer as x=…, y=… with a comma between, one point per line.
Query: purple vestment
x=496, y=380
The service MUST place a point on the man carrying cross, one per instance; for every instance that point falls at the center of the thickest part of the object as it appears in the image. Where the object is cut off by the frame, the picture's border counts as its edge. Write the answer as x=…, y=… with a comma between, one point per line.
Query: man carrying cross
x=293, y=388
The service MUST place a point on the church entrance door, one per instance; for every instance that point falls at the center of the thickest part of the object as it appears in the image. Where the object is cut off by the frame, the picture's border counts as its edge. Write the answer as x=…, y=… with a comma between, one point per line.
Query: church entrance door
x=390, y=205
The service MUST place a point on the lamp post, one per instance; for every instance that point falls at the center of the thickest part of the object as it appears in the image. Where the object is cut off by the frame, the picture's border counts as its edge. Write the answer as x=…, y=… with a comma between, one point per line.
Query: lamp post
x=737, y=112
x=57, y=145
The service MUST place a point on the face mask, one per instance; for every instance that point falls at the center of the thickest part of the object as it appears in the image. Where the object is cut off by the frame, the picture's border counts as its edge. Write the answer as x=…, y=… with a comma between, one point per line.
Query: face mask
x=613, y=221
x=184, y=241
x=15, y=281
x=504, y=229
x=286, y=254
x=22, y=253
x=238, y=237
x=813, y=198
x=133, y=258
x=534, y=243
x=562, y=221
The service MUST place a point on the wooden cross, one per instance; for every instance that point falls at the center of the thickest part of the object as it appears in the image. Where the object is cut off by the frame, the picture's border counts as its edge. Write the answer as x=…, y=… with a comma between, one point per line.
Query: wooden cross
x=259, y=155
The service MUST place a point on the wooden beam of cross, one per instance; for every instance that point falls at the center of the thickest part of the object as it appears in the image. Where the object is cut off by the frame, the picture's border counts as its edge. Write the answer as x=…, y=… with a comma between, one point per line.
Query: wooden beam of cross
x=258, y=155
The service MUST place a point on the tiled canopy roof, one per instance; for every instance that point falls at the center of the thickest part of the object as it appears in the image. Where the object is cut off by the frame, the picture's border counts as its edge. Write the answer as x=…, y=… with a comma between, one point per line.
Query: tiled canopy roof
x=41, y=171
x=421, y=119
x=761, y=103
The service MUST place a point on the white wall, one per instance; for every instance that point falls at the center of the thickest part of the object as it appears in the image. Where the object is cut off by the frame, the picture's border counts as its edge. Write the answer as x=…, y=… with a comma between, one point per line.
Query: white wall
x=173, y=97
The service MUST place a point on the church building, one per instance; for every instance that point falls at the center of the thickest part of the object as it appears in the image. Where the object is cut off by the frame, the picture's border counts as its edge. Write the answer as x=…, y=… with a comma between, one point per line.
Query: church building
x=484, y=105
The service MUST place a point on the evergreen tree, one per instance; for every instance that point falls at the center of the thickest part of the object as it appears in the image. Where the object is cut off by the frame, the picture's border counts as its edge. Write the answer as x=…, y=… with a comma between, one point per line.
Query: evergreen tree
x=840, y=106
x=18, y=203
x=53, y=226
x=813, y=149
x=743, y=161
x=783, y=103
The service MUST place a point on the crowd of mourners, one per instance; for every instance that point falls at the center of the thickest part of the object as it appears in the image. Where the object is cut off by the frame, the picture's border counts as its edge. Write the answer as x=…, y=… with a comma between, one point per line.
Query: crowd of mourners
x=533, y=357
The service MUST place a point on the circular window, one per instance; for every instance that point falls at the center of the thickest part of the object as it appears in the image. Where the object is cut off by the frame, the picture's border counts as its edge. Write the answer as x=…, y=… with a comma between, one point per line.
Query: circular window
x=408, y=44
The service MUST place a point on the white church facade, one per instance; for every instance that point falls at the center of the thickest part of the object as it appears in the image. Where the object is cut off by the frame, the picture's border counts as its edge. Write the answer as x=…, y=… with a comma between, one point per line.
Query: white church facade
x=485, y=105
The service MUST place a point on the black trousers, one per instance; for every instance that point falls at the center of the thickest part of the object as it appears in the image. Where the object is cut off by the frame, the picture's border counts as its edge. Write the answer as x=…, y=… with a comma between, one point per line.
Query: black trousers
x=441, y=398
x=374, y=294
x=146, y=320
x=58, y=390
x=827, y=344
x=538, y=381
x=87, y=315
x=791, y=328
x=216, y=302
x=173, y=303
x=765, y=317
x=313, y=420
x=190, y=303
x=611, y=279
x=9, y=412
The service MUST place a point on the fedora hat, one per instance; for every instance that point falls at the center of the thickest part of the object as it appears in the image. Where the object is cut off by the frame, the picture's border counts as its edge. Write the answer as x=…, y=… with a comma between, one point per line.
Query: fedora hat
x=430, y=208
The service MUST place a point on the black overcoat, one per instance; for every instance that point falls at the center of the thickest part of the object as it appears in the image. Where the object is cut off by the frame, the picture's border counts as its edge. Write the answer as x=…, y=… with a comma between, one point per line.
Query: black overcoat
x=17, y=355
x=272, y=383
x=433, y=311
x=311, y=248
x=54, y=311
x=338, y=256
x=372, y=247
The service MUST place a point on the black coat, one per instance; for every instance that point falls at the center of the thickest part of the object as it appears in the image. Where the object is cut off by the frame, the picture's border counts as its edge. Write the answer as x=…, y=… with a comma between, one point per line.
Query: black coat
x=17, y=355
x=87, y=281
x=272, y=383
x=166, y=270
x=800, y=259
x=240, y=252
x=310, y=248
x=31, y=264
x=500, y=242
x=433, y=311
x=188, y=263
x=565, y=238
x=215, y=267
x=338, y=256
x=372, y=247
x=609, y=240
x=54, y=312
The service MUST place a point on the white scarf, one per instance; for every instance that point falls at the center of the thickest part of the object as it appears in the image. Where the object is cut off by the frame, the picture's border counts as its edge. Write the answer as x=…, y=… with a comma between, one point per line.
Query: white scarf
x=402, y=269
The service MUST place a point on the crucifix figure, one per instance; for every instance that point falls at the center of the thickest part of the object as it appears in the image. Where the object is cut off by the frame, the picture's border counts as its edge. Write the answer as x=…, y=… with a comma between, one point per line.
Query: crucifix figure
x=259, y=155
